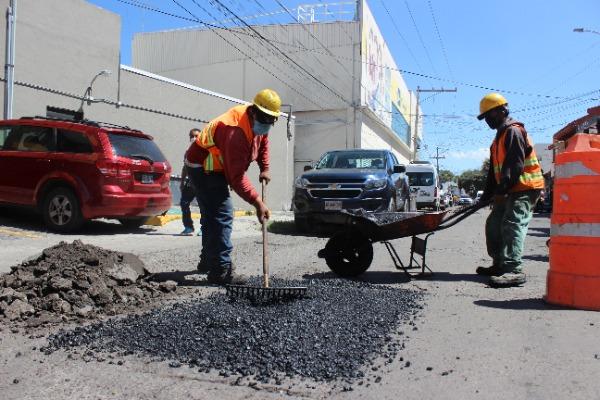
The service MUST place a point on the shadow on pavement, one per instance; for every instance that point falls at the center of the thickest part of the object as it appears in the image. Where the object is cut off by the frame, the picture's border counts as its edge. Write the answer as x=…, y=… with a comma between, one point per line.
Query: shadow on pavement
x=450, y=277
x=537, y=257
x=519, y=304
x=181, y=277
x=538, y=232
x=29, y=220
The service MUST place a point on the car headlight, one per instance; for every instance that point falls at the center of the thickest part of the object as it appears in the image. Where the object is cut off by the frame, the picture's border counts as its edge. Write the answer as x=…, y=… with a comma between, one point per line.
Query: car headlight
x=376, y=184
x=301, y=182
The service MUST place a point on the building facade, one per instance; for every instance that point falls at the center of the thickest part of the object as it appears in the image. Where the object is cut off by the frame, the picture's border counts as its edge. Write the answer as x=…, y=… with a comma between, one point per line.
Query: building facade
x=340, y=78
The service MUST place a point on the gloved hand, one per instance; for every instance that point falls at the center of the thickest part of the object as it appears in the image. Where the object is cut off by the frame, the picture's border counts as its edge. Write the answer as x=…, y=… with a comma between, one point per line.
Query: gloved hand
x=265, y=176
x=262, y=212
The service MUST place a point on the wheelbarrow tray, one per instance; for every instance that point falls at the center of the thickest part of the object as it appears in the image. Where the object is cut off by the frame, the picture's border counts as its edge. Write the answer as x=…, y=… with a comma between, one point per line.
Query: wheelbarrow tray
x=383, y=226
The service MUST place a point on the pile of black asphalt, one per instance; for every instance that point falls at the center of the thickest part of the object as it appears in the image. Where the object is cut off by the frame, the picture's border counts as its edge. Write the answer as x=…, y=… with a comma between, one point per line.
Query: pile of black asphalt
x=340, y=331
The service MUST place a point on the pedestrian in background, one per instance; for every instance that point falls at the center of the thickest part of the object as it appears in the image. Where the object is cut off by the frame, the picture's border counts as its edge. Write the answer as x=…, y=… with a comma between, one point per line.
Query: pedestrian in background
x=188, y=194
x=514, y=182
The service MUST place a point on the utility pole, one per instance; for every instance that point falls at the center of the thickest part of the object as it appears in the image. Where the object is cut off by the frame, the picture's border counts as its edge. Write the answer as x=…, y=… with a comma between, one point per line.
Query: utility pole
x=9, y=65
x=437, y=159
x=419, y=91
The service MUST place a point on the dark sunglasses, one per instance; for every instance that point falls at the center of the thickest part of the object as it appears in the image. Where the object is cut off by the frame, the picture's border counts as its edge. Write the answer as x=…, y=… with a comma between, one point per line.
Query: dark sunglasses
x=265, y=118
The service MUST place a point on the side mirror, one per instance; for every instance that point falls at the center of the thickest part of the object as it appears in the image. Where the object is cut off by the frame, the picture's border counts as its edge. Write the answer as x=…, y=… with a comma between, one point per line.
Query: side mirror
x=398, y=169
x=307, y=168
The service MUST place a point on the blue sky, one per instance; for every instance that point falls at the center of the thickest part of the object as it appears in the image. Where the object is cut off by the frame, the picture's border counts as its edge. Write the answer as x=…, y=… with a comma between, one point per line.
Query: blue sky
x=525, y=48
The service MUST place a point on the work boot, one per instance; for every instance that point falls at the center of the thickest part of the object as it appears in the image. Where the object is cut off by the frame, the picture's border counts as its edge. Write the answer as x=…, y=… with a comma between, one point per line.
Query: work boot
x=203, y=267
x=225, y=276
x=508, y=279
x=494, y=270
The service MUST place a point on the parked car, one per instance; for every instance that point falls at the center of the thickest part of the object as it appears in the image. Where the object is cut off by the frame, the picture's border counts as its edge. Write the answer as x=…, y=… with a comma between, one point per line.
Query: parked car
x=424, y=184
x=347, y=179
x=75, y=171
x=478, y=195
x=465, y=200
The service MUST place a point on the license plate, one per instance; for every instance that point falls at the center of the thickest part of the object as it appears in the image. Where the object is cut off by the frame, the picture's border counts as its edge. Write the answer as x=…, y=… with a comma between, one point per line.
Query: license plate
x=147, y=178
x=333, y=205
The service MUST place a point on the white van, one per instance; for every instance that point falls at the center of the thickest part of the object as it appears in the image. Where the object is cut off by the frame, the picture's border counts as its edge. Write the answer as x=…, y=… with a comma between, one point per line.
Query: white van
x=424, y=184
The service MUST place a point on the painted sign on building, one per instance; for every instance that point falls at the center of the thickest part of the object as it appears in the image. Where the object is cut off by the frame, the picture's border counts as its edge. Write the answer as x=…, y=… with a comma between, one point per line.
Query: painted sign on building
x=382, y=88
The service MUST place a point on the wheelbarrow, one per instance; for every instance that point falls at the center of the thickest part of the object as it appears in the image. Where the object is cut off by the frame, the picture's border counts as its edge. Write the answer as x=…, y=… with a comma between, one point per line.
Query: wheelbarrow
x=349, y=252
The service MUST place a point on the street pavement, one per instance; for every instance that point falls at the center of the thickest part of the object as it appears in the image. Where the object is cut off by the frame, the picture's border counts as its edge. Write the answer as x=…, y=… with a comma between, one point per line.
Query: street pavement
x=470, y=341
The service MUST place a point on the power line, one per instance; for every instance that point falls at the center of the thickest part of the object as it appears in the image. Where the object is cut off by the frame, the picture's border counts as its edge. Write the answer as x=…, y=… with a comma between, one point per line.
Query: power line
x=440, y=38
x=404, y=71
x=281, y=52
x=401, y=35
x=109, y=102
x=420, y=37
x=250, y=58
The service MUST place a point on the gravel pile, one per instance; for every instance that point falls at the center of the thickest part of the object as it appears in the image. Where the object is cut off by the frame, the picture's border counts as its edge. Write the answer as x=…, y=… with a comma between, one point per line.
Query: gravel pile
x=340, y=330
x=75, y=280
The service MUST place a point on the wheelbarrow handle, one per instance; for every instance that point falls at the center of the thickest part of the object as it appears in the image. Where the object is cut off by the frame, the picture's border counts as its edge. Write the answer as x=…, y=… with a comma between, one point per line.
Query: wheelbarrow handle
x=462, y=214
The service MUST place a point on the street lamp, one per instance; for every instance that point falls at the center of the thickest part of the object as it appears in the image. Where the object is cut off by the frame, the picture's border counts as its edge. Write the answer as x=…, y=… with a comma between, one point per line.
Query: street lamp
x=87, y=95
x=582, y=30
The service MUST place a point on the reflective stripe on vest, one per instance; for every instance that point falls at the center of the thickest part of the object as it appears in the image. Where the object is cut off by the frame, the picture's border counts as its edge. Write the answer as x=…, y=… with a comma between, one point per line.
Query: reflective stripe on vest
x=575, y=229
x=531, y=177
x=237, y=117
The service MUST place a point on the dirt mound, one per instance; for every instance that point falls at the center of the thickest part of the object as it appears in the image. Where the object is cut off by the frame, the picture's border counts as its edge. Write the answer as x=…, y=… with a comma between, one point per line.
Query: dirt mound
x=75, y=280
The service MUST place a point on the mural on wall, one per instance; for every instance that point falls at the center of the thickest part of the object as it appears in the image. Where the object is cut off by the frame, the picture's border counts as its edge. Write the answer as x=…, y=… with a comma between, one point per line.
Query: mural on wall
x=382, y=88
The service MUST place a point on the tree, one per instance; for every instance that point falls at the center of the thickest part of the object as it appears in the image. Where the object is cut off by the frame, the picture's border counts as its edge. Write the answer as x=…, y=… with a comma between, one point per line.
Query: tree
x=472, y=180
x=446, y=176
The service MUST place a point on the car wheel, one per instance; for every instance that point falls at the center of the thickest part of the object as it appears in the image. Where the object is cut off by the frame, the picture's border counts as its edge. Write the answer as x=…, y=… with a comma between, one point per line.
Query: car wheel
x=61, y=210
x=133, y=223
x=348, y=254
x=301, y=224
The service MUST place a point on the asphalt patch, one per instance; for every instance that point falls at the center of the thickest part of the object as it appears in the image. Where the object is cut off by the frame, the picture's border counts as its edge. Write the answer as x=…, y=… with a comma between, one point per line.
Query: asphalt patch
x=338, y=331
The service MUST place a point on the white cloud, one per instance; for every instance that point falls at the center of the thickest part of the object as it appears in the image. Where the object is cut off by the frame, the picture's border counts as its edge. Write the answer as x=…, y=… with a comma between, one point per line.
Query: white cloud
x=479, y=154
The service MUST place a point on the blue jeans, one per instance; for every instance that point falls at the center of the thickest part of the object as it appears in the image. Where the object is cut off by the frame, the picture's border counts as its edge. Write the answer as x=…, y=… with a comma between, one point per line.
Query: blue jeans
x=188, y=194
x=216, y=208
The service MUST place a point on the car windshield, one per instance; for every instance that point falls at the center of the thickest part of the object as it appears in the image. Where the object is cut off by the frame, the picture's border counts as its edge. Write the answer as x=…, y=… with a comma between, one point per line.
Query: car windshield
x=420, y=178
x=135, y=147
x=353, y=159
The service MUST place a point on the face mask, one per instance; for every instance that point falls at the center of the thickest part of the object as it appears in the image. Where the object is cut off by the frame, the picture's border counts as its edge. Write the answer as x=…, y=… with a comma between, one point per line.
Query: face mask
x=260, y=129
x=495, y=120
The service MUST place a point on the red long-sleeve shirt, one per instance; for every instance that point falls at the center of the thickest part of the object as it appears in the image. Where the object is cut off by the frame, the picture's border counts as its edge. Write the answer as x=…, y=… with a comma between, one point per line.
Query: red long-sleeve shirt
x=237, y=154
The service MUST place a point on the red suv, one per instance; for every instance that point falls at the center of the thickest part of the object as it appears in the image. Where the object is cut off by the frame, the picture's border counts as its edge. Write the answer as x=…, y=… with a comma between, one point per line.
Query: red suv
x=72, y=171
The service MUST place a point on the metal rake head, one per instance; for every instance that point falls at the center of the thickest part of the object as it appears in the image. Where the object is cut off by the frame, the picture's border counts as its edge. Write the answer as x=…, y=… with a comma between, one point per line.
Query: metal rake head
x=263, y=293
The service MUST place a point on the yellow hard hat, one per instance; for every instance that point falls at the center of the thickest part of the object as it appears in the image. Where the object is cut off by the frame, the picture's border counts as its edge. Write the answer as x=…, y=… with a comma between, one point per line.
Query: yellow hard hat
x=268, y=101
x=489, y=102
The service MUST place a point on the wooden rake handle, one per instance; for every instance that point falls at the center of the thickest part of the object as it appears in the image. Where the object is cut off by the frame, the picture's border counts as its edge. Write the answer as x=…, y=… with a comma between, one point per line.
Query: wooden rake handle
x=264, y=241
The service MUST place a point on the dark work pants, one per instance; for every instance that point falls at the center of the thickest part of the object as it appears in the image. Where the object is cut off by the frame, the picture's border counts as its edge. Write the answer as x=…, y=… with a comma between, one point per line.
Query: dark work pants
x=216, y=208
x=188, y=194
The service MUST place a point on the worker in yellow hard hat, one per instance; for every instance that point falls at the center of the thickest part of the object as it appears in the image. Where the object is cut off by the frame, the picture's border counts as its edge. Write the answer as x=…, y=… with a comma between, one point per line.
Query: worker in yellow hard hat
x=218, y=159
x=514, y=182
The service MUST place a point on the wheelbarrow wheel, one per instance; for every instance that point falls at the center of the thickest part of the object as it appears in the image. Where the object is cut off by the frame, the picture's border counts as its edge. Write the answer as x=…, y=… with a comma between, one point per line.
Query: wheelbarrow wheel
x=348, y=254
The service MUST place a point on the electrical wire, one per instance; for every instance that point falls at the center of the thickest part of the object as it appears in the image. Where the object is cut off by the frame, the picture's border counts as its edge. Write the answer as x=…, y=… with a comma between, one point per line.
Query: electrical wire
x=420, y=37
x=309, y=73
x=437, y=30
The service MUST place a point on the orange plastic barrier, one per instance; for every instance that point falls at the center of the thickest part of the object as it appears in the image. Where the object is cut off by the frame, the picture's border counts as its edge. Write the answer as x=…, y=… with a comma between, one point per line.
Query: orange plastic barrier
x=574, y=276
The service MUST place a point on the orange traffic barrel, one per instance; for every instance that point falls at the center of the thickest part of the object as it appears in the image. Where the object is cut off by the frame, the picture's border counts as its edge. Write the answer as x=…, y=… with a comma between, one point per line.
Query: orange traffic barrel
x=574, y=276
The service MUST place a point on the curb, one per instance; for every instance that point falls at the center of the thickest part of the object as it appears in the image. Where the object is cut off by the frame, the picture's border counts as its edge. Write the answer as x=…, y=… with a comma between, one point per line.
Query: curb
x=161, y=220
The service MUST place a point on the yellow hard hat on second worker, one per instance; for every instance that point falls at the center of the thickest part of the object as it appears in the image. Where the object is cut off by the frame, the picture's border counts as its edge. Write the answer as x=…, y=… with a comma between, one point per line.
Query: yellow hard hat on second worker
x=489, y=102
x=268, y=101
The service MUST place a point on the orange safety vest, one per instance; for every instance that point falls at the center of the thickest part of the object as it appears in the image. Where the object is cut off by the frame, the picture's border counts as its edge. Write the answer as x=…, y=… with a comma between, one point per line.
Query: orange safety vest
x=236, y=116
x=531, y=177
